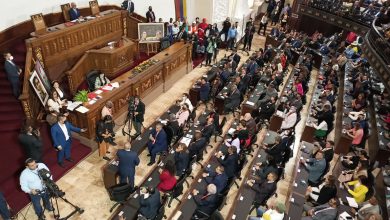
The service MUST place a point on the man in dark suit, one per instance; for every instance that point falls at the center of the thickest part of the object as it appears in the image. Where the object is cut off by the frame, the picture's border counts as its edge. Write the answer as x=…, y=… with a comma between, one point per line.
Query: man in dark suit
x=263, y=188
x=62, y=140
x=235, y=60
x=233, y=100
x=267, y=109
x=181, y=159
x=150, y=202
x=139, y=112
x=230, y=162
x=206, y=203
x=218, y=178
x=4, y=208
x=208, y=129
x=157, y=142
x=128, y=5
x=183, y=34
x=276, y=150
x=128, y=160
x=326, y=211
x=204, y=90
x=197, y=146
x=74, y=12
x=150, y=16
x=31, y=142
x=13, y=72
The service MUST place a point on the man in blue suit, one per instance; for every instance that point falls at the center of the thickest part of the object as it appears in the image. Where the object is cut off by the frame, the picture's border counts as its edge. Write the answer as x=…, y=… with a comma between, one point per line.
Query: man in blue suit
x=157, y=142
x=62, y=140
x=204, y=90
x=230, y=162
x=150, y=202
x=218, y=178
x=128, y=160
x=74, y=12
x=13, y=72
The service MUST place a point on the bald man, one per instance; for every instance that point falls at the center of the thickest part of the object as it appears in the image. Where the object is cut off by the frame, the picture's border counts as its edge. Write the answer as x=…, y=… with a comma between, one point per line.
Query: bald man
x=128, y=160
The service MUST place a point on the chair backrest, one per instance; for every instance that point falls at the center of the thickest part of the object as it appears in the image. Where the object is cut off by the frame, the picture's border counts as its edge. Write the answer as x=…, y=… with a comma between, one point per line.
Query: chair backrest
x=65, y=11
x=161, y=210
x=178, y=189
x=94, y=6
x=216, y=216
x=91, y=77
x=39, y=23
x=164, y=43
x=170, y=133
x=223, y=122
x=120, y=192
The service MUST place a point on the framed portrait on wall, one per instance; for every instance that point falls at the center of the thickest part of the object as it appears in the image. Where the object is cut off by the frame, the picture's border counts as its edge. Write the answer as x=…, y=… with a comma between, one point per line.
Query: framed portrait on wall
x=150, y=32
x=39, y=88
x=42, y=75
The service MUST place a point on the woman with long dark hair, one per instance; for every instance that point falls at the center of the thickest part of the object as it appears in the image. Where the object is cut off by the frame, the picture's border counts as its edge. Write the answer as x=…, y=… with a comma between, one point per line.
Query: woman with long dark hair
x=167, y=177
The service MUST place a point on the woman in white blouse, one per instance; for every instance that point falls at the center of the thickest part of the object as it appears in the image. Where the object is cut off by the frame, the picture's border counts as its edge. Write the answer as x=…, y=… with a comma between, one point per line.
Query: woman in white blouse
x=183, y=114
x=186, y=100
x=55, y=103
x=57, y=88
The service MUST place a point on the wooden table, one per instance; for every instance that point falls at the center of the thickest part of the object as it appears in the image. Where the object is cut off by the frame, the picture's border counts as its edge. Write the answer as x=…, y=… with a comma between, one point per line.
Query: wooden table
x=148, y=84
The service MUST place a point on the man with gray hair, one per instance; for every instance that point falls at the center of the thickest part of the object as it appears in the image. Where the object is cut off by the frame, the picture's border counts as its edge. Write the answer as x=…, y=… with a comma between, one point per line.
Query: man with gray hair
x=128, y=160
x=206, y=203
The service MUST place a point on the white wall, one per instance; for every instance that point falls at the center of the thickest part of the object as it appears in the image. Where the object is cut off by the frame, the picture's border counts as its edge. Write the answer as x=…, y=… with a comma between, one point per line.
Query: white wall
x=16, y=11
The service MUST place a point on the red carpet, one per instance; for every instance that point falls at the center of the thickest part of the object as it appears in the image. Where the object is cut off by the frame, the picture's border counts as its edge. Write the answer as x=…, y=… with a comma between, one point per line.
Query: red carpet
x=196, y=61
x=12, y=155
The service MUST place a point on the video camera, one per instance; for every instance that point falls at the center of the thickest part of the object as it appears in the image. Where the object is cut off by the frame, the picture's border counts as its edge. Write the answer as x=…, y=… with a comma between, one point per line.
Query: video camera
x=51, y=186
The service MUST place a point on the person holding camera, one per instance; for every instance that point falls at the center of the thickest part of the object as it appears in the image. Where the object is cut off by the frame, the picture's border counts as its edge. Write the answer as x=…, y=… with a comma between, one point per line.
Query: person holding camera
x=31, y=183
x=138, y=117
x=62, y=140
x=31, y=141
x=150, y=203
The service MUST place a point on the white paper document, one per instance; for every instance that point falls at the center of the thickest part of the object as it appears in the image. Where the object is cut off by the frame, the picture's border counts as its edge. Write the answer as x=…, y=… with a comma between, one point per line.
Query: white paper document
x=115, y=85
x=231, y=131
x=107, y=87
x=82, y=109
x=98, y=92
x=250, y=103
x=352, y=202
x=72, y=105
x=185, y=141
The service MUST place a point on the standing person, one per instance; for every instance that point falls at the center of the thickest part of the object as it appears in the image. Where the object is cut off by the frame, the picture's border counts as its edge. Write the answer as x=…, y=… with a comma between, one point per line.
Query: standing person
x=105, y=136
x=128, y=160
x=62, y=140
x=107, y=109
x=225, y=28
x=138, y=118
x=31, y=141
x=181, y=159
x=232, y=35
x=211, y=46
x=204, y=90
x=128, y=5
x=31, y=183
x=157, y=142
x=150, y=16
x=4, y=208
x=249, y=32
x=13, y=71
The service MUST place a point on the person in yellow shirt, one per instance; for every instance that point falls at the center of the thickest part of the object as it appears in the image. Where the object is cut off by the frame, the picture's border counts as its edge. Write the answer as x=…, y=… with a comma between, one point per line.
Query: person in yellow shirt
x=359, y=189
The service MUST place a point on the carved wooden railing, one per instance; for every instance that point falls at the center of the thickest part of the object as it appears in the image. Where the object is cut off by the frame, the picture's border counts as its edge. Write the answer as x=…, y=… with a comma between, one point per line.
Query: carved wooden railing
x=30, y=102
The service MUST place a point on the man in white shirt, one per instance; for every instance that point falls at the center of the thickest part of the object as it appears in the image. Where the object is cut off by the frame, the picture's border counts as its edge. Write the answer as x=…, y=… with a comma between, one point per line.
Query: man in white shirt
x=229, y=141
x=289, y=119
x=31, y=183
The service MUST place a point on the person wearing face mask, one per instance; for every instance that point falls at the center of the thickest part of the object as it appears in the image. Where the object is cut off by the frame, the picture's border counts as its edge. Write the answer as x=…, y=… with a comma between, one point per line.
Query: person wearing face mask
x=62, y=140
x=211, y=46
x=31, y=183
x=150, y=16
x=185, y=100
x=13, y=71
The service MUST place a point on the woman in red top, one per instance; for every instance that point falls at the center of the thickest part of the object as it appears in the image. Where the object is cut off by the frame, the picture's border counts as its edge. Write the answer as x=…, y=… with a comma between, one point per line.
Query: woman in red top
x=356, y=133
x=299, y=87
x=167, y=177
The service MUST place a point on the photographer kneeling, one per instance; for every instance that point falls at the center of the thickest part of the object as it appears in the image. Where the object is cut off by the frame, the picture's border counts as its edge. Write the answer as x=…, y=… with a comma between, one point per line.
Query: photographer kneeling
x=31, y=183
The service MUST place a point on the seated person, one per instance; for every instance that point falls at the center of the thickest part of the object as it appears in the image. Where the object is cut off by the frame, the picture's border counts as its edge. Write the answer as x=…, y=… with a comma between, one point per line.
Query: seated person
x=355, y=115
x=173, y=124
x=101, y=81
x=57, y=88
x=328, y=151
x=267, y=94
x=274, y=212
x=356, y=133
x=359, y=103
x=316, y=167
x=55, y=103
x=267, y=109
x=207, y=202
x=324, y=192
x=276, y=150
x=208, y=129
x=218, y=178
x=263, y=188
x=290, y=118
x=250, y=124
x=105, y=135
x=181, y=159
x=321, y=129
x=185, y=99
x=149, y=201
x=243, y=133
x=351, y=162
x=359, y=189
x=157, y=142
x=233, y=99
x=230, y=141
x=326, y=211
x=167, y=177
x=196, y=147
x=74, y=12
x=263, y=169
x=368, y=208
x=230, y=162
x=183, y=114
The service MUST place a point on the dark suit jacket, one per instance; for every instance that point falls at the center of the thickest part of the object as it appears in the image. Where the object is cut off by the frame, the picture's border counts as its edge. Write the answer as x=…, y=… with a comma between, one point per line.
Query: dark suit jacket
x=208, y=131
x=181, y=36
x=276, y=151
x=58, y=135
x=128, y=160
x=150, y=16
x=125, y=5
x=141, y=111
x=263, y=190
x=234, y=100
x=196, y=147
x=32, y=146
x=204, y=92
x=206, y=203
x=230, y=163
x=74, y=14
x=181, y=162
x=328, y=214
x=149, y=206
x=220, y=181
x=12, y=71
x=161, y=143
